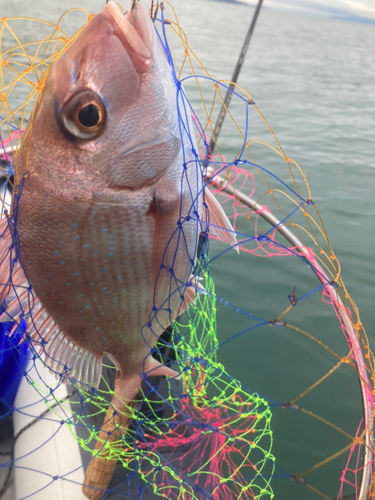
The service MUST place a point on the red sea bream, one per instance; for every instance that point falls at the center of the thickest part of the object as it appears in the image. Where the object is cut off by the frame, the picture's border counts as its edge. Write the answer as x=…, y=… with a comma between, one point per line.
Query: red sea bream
x=110, y=205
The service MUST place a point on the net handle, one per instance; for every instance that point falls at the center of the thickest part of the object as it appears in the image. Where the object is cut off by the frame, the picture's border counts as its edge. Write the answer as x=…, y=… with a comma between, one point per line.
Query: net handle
x=110, y=440
x=96, y=464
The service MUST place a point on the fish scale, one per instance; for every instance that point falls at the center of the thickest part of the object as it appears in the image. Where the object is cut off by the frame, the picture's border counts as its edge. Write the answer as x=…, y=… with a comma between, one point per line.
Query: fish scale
x=108, y=212
x=109, y=221
x=84, y=275
x=124, y=300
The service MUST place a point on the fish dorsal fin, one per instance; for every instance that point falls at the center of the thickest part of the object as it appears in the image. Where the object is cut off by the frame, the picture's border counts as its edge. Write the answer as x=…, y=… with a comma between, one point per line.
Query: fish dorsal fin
x=217, y=221
x=70, y=362
x=67, y=360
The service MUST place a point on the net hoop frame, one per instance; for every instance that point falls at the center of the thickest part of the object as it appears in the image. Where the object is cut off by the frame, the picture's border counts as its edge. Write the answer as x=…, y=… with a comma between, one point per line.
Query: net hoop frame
x=220, y=183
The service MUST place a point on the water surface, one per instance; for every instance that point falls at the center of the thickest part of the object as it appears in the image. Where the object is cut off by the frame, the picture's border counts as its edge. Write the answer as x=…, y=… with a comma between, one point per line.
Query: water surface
x=313, y=79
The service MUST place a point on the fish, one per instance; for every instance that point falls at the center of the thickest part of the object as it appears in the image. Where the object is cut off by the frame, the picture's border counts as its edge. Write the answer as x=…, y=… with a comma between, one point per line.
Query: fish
x=98, y=253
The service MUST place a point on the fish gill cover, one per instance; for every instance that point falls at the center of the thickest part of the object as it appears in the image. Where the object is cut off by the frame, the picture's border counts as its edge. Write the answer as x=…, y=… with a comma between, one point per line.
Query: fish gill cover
x=207, y=435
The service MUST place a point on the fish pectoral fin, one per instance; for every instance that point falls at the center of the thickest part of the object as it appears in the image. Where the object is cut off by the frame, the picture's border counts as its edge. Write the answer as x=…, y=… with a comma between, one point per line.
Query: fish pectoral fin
x=152, y=367
x=218, y=222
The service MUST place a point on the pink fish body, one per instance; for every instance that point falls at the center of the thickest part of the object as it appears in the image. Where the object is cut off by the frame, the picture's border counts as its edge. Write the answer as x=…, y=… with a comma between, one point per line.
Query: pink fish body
x=110, y=203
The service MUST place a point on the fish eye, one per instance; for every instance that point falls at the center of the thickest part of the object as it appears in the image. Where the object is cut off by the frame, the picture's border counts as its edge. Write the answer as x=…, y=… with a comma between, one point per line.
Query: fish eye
x=84, y=115
x=89, y=115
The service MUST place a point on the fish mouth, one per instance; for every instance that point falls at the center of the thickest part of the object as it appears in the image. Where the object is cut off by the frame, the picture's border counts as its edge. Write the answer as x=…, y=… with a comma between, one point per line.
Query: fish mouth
x=134, y=30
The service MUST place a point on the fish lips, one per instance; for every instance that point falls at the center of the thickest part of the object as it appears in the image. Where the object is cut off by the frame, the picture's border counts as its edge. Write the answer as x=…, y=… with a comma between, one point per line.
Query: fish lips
x=134, y=29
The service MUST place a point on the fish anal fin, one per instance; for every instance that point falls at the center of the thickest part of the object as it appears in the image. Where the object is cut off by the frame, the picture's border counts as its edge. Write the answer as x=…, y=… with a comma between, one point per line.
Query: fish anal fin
x=218, y=222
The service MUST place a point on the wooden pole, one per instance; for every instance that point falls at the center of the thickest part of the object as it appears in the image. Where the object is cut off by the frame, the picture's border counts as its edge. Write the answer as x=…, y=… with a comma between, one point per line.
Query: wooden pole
x=102, y=466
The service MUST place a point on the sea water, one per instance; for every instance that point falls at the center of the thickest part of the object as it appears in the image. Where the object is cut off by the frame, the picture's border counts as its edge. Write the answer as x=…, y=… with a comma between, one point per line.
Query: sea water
x=313, y=79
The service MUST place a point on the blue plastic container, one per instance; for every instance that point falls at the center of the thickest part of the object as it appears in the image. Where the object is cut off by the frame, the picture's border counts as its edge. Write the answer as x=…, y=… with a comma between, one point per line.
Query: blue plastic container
x=13, y=361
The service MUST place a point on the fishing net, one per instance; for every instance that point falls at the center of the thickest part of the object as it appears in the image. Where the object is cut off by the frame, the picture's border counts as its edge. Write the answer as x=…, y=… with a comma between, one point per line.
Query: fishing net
x=257, y=413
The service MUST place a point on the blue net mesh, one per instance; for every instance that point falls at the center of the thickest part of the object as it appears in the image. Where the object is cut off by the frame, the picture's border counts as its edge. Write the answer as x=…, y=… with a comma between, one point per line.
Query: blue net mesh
x=205, y=431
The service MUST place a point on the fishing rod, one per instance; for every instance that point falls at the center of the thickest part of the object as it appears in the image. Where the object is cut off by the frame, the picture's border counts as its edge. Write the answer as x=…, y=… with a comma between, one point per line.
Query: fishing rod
x=228, y=96
x=291, y=237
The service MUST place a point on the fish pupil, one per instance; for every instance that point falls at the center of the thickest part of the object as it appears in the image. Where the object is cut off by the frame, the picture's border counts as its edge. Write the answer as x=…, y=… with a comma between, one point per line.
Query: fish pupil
x=89, y=115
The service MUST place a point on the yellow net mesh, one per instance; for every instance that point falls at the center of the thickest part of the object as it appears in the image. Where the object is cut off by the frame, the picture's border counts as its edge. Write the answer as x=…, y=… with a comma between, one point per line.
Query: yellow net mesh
x=217, y=430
